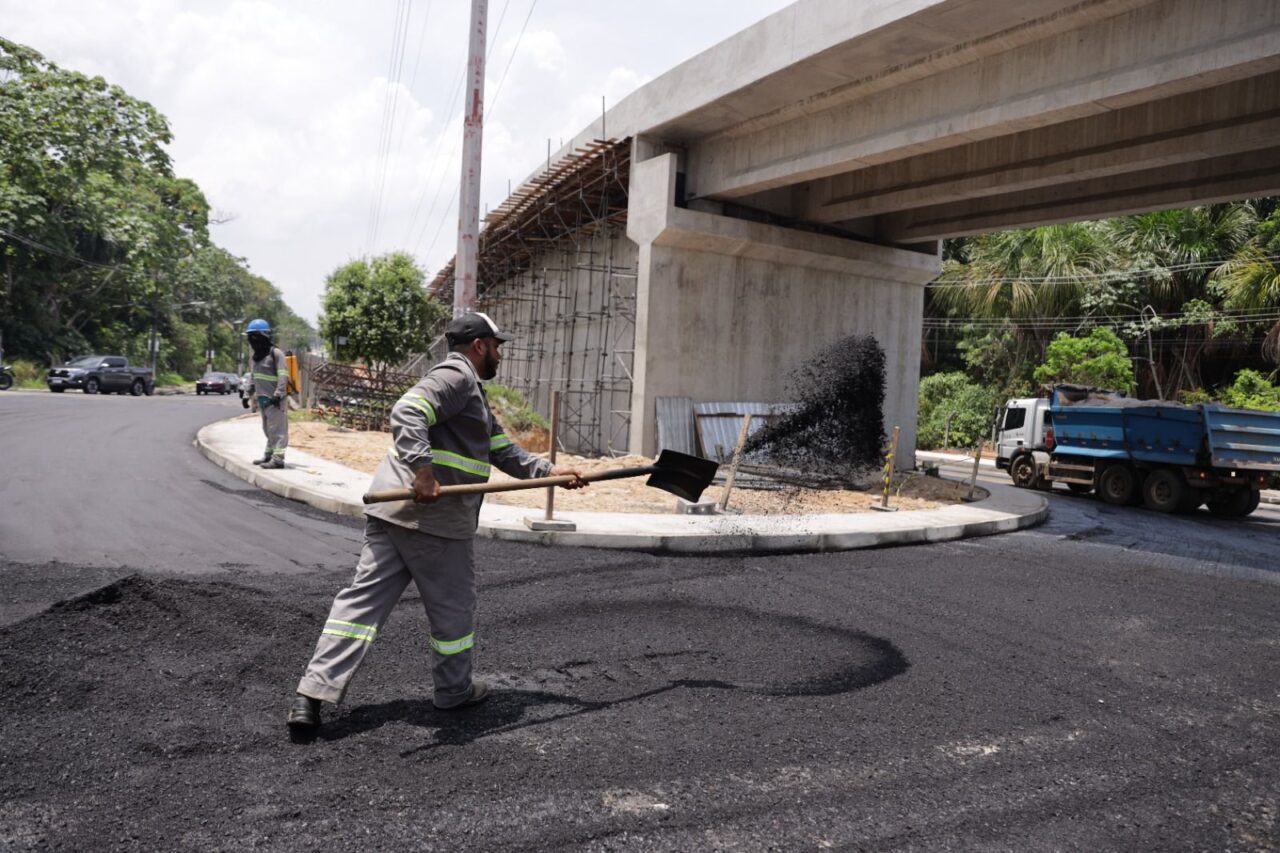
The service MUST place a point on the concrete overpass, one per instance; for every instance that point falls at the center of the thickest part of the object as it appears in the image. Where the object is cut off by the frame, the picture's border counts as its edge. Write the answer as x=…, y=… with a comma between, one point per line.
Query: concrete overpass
x=791, y=185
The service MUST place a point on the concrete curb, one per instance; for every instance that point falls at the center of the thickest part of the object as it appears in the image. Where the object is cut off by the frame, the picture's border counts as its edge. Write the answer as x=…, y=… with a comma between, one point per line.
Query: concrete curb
x=1006, y=509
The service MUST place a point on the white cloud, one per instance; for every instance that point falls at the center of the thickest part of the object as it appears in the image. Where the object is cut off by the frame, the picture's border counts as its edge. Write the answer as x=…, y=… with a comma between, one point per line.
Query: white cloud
x=277, y=107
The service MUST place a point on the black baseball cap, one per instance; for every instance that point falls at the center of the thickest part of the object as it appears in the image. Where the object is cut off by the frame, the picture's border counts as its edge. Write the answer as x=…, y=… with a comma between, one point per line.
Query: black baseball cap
x=467, y=327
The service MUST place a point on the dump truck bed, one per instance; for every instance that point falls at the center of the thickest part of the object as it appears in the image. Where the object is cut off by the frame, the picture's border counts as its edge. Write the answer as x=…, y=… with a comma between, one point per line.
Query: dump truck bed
x=1243, y=438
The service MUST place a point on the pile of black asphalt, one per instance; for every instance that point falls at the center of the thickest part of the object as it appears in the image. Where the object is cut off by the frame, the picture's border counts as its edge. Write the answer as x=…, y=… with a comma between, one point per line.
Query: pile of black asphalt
x=953, y=696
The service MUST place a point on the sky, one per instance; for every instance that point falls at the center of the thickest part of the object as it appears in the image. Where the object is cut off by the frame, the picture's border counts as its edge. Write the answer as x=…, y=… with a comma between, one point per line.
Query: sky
x=290, y=114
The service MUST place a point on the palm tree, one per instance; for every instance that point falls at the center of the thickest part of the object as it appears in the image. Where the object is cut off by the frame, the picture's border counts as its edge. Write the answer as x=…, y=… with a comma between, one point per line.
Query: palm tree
x=1250, y=280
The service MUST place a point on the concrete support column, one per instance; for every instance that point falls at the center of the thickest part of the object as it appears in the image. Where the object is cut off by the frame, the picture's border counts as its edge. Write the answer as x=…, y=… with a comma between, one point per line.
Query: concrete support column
x=726, y=309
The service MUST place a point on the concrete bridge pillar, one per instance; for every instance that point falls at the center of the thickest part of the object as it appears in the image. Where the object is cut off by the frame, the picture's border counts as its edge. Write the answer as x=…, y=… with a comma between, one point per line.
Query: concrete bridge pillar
x=727, y=308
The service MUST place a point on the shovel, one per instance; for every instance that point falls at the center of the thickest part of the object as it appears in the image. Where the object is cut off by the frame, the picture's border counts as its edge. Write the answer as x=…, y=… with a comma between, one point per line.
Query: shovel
x=680, y=474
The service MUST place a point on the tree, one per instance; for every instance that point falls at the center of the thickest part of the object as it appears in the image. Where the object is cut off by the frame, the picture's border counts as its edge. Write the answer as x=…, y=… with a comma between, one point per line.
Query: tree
x=378, y=310
x=1251, y=278
x=91, y=213
x=1099, y=359
x=954, y=411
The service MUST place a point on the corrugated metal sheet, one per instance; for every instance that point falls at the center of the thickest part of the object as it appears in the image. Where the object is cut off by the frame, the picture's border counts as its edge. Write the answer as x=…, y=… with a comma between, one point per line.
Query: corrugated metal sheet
x=718, y=425
x=675, y=425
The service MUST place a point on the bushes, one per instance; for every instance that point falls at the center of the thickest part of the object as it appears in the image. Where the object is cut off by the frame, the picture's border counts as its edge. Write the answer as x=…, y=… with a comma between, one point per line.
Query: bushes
x=1099, y=359
x=28, y=374
x=510, y=407
x=970, y=407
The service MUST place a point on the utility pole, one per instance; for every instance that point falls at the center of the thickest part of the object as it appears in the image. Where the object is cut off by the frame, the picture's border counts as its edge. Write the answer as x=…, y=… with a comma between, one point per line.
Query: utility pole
x=465, y=262
x=155, y=322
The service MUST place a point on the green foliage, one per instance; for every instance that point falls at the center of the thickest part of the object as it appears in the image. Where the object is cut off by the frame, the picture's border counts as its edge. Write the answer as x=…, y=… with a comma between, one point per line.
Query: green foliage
x=991, y=358
x=1099, y=359
x=510, y=407
x=170, y=378
x=27, y=374
x=1195, y=396
x=1251, y=390
x=380, y=308
x=98, y=236
x=970, y=407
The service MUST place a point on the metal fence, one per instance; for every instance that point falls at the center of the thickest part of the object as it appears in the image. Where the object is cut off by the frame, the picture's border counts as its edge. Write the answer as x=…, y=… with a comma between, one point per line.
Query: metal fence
x=357, y=396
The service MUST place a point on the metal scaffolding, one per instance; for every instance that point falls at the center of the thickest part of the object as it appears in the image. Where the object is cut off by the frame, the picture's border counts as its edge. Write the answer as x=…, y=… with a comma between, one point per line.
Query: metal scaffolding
x=557, y=270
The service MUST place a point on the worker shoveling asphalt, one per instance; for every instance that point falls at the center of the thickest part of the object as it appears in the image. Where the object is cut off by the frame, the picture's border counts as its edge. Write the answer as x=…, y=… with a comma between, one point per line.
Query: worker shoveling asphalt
x=422, y=517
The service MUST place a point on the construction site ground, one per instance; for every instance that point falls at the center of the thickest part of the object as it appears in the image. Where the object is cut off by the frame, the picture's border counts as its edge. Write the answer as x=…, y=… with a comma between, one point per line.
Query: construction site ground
x=363, y=450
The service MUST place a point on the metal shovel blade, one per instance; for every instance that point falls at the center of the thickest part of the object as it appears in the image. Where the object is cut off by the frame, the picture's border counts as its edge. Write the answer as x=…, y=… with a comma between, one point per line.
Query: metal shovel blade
x=682, y=475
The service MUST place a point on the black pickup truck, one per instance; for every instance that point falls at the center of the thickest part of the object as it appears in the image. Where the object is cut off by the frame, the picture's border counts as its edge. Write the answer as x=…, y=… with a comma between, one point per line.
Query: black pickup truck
x=109, y=374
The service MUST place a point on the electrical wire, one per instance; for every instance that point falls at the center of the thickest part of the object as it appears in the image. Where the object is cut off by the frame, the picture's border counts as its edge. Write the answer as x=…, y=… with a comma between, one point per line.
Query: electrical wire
x=390, y=103
x=498, y=89
x=49, y=250
x=944, y=284
x=440, y=180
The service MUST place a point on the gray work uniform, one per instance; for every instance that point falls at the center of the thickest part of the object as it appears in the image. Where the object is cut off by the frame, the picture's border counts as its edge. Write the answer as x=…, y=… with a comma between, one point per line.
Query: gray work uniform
x=270, y=380
x=443, y=421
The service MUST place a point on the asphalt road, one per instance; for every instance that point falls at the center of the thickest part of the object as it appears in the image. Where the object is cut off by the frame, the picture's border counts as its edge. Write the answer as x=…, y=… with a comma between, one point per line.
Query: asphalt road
x=1110, y=680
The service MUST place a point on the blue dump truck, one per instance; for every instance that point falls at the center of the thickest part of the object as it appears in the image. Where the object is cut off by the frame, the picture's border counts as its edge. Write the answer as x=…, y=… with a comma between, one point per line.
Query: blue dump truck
x=1168, y=456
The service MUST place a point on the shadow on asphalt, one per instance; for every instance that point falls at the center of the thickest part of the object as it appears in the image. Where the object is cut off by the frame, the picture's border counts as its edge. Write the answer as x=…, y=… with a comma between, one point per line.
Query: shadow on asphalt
x=513, y=709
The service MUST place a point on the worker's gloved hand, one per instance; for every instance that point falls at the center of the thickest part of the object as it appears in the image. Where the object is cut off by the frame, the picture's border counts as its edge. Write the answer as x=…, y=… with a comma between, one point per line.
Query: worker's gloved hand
x=425, y=488
x=564, y=471
x=275, y=401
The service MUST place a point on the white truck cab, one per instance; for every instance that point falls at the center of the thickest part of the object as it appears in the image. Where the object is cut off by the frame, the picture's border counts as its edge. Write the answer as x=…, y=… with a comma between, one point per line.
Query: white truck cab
x=1026, y=427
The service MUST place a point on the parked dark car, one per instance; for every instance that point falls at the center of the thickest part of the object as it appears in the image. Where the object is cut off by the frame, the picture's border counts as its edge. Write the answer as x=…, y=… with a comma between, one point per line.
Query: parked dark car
x=217, y=383
x=108, y=374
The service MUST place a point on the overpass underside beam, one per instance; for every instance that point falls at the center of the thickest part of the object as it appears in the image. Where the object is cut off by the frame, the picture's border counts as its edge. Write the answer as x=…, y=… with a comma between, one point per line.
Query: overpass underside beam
x=1165, y=83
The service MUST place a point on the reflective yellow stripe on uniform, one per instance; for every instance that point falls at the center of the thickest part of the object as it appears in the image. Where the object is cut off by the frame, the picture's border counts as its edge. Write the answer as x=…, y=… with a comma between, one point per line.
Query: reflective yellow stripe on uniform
x=422, y=403
x=459, y=462
x=499, y=441
x=266, y=377
x=352, y=630
x=452, y=647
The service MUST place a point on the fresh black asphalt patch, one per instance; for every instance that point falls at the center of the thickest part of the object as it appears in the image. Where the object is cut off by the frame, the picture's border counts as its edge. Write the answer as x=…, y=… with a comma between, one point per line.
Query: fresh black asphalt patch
x=915, y=698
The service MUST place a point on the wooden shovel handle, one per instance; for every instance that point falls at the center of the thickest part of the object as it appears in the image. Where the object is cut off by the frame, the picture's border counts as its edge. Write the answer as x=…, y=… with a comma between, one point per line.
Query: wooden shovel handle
x=512, y=486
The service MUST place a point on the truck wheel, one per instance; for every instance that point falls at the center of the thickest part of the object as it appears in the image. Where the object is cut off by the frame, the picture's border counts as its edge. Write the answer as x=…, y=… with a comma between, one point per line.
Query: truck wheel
x=1079, y=488
x=1233, y=503
x=91, y=386
x=1163, y=490
x=138, y=388
x=1023, y=472
x=6, y=382
x=1117, y=485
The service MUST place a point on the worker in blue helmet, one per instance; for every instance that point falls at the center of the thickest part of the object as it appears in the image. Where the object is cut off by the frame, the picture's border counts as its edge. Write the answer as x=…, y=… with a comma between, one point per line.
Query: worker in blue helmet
x=270, y=384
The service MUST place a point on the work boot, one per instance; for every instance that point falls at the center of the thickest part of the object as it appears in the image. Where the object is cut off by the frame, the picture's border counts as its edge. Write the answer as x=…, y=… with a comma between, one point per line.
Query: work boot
x=266, y=457
x=479, y=693
x=274, y=462
x=304, y=713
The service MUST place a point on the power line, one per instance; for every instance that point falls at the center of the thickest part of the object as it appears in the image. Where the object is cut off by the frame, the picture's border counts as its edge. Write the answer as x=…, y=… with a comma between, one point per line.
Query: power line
x=389, y=127
x=944, y=284
x=440, y=181
x=498, y=89
x=49, y=250
x=1051, y=324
